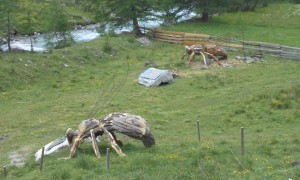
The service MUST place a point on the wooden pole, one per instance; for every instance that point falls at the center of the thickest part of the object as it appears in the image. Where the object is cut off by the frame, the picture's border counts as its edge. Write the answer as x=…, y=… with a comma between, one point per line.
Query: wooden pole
x=107, y=158
x=242, y=141
x=42, y=159
x=4, y=171
x=198, y=127
x=95, y=144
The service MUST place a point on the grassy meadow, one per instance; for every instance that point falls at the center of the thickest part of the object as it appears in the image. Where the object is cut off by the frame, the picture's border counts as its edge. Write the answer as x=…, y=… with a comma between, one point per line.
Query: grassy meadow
x=277, y=23
x=43, y=94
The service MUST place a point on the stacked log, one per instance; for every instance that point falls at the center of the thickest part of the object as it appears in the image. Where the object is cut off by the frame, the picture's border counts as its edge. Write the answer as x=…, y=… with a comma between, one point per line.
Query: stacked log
x=271, y=49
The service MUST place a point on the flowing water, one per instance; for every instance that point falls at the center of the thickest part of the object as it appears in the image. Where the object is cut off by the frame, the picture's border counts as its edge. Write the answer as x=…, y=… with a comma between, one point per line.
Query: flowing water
x=85, y=34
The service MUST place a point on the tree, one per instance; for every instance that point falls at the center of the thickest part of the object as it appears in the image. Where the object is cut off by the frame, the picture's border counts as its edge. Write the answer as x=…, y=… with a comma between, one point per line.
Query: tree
x=173, y=10
x=59, y=25
x=7, y=10
x=28, y=18
x=249, y=5
x=120, y=13
x=207, y=7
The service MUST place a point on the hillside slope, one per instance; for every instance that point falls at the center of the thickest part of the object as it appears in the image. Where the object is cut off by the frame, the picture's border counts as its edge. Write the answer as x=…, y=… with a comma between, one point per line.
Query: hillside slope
x=44, y=94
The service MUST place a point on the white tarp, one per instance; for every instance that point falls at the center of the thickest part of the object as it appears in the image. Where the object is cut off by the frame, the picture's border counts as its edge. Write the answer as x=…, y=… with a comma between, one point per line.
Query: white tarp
x=57, y=145
x=52, y=147
x=155, y=77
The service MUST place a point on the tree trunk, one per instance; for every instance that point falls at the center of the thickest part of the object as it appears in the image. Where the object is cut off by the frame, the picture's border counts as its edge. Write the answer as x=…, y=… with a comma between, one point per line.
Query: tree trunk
x=205, y=16
x=30, y=37
x=136, y=29
x=31, y=44
x=8, y=31
x=254, y=6
x=205, y=13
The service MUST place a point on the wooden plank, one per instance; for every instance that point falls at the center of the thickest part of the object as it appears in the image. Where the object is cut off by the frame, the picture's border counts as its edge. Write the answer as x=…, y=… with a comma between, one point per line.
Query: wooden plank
x=193, y=42
x=270, y=45
x=167, y=35
x=170, y=38
x=166, y=38
x=228, y=44
x=168, y=32
x=290, y=57
x=193, y=38
x=170, y=41
x=95, y=144
x=264, y=50
x=291, y=53
x=148, y=29
x=290, y=47
x=210, y=42
x=197, y=35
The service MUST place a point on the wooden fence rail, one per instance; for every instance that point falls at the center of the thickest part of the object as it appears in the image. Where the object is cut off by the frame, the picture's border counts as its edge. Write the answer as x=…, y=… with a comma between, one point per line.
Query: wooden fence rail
x=276, y=50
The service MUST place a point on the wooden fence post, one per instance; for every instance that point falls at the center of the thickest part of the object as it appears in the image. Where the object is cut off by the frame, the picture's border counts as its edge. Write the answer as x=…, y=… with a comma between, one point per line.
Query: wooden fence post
x=198, y=127
x=42, y=159
x=4, y=171
x=107, y=158
x=242, y=141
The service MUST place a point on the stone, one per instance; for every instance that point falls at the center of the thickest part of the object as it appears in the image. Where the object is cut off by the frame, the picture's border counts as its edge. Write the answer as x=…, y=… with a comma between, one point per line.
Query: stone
x=144, y=40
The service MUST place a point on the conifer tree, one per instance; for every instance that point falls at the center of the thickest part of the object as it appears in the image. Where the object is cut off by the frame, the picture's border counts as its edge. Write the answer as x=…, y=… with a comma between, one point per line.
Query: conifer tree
x=8, y=9
x=29, y=18
x=120, y=13
x=59, y=25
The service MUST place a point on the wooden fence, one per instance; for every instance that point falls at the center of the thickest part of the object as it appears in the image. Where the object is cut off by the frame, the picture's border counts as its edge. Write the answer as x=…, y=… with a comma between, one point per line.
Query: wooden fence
x=276, y=50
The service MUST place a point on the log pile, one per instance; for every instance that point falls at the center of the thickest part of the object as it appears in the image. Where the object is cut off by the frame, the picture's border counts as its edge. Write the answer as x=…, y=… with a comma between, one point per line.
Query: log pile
x=276, y=50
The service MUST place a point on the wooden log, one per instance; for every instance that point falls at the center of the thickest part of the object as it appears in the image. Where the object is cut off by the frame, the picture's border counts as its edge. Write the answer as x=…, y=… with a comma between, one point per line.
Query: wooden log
x=193, y=42
x=170, y=41
x=290, y=47
x=291, y=53
x=196, y=35
x=261, y=44
x=95, y=144
x=290, y=57
x=112, y=142
x=133, y=129
x=276, y=52
x=167, y=36
x=169, y=32
x=263, y=50
x=145, y=28
x=166, y=33
x=131, y=125
x=194, y=38
x=229, y=44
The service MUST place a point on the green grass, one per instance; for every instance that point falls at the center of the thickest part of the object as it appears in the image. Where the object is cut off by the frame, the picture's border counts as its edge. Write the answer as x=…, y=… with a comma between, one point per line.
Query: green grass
x=40, y=100
x=276, y=23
